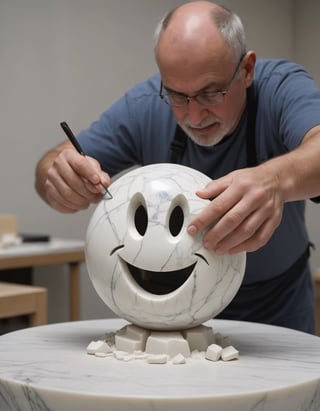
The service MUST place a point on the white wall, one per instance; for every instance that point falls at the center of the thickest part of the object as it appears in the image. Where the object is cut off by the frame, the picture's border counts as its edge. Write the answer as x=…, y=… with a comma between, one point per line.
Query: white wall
x=69, y=60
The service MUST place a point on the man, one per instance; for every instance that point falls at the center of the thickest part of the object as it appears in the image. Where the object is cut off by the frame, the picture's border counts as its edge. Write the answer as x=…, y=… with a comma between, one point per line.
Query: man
x=252, y=126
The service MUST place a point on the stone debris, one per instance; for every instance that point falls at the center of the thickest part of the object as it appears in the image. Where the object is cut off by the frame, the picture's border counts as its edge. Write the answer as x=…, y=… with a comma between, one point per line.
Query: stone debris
x=99, y=347
x=178, y=359
x=132, y=343
x=214, y=352
x=229, y=353
x=157, y=359
x=198, y=355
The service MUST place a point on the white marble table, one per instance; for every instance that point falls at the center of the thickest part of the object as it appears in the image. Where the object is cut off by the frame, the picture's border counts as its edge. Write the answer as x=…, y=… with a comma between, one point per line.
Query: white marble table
x=47, y=368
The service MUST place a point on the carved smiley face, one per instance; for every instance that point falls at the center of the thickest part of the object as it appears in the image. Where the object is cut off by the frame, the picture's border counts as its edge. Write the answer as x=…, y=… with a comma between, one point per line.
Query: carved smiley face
x=143, y=263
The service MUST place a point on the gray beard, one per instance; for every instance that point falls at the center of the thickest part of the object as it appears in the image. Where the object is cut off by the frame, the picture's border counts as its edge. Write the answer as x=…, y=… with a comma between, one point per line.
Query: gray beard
x=202, y=142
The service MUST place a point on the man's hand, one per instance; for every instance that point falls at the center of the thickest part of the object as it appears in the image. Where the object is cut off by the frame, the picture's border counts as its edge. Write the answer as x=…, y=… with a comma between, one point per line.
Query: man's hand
x=245, y=210
x=70, y=182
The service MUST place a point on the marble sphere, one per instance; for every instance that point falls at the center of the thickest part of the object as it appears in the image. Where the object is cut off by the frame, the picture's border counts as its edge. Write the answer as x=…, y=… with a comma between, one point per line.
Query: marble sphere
x=143, y=263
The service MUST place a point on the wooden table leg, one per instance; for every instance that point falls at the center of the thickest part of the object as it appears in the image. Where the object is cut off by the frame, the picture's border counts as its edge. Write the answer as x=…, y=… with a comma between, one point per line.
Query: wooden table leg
x=74, y=291
x=317, y=284
x=40, y=315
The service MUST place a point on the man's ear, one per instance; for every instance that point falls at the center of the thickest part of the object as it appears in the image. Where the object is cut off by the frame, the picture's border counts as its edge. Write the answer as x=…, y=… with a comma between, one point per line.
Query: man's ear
x=249, y=62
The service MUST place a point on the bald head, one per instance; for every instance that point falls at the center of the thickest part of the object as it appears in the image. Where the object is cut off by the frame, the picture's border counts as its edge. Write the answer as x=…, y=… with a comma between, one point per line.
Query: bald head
x=203, y=26
x=188, y=16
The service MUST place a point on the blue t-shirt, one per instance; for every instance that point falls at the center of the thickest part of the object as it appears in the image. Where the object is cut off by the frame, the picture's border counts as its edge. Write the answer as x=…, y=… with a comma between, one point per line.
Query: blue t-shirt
x=138, y=130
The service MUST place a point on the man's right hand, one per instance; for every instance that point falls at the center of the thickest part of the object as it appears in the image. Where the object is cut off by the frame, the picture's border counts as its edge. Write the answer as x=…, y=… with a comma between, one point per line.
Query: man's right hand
x=68, y=181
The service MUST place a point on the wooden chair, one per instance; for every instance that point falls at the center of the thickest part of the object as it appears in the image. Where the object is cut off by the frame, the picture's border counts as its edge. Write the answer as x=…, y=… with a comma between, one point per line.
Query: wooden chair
x=18, y=299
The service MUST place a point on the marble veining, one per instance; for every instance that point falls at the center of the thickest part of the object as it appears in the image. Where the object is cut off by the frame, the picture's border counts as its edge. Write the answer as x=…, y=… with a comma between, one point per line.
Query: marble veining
x=138, y=230
x=47, y=368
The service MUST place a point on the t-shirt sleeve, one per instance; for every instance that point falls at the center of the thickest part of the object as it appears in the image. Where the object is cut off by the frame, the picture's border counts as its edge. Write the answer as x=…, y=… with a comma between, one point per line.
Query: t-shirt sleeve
x=294, y=100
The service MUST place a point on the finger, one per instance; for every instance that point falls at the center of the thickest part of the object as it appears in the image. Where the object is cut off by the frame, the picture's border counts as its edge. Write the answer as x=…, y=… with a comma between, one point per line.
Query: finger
x=83, y=177
x=92, y=188
x=62, y=208
x=104, y=178
x=213, y=188
x=63, y=181
x=215, y=210
x=70, y=194
x=71, y=170
x=252, y=234
x=240, y=235
x=65, y=199
x=236, y=225
x=59, y=203
x=258, y=240
x=243, y=218
x=89, y=169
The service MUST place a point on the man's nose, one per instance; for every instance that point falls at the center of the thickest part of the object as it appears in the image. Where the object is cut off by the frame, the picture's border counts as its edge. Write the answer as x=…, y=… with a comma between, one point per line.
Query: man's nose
x=196, y=112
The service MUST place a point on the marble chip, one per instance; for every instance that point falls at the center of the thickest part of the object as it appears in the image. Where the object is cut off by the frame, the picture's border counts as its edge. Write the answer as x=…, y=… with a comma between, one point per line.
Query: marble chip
x=157, y=359
x=98, y=347
x=213, y=352
x=229, y=353
x=122, y=355
x=178, y=359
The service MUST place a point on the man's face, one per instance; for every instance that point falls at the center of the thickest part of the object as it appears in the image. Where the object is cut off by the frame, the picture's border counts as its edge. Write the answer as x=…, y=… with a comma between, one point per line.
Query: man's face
x=207, y=124
x=194, y=60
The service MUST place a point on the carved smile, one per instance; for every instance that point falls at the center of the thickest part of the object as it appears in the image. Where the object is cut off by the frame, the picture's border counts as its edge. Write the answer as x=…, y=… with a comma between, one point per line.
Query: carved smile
x=159, y=282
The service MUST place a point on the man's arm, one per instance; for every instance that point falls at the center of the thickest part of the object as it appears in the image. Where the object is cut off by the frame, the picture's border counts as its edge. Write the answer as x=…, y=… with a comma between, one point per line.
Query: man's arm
x=247, y=204
x=299, y=170
x=68, y=181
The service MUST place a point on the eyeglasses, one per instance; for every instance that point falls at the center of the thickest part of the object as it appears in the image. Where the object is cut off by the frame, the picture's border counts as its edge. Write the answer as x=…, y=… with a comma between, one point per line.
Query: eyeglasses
x=205, y=98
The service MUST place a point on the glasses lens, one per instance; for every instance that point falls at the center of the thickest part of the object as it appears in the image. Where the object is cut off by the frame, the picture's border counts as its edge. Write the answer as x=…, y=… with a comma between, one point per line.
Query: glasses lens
x=204, y=99
x=176, y=100
x=210, y=99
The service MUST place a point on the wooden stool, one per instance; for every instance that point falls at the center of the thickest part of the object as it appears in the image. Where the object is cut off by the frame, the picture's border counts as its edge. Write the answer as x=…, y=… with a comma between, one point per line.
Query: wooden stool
x=17, y=299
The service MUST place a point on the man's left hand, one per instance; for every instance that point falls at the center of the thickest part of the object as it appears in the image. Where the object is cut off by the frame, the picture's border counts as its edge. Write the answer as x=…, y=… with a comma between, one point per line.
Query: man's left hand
x=245, y=210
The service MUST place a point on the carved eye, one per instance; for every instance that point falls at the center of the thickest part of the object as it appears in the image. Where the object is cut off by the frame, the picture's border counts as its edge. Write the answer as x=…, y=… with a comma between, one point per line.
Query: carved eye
x=141, y=220
x=176, y=221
